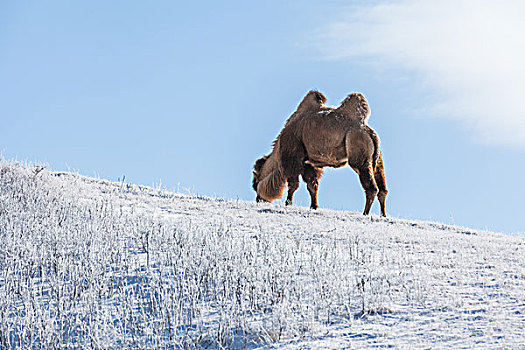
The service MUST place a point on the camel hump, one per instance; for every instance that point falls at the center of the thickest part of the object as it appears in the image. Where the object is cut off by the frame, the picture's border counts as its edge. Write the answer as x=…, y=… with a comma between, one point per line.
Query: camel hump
x=355, y=106
x=312, y=101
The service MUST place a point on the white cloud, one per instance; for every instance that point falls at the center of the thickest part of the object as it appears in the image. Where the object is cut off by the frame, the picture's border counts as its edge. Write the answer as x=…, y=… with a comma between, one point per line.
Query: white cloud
x=471, y=51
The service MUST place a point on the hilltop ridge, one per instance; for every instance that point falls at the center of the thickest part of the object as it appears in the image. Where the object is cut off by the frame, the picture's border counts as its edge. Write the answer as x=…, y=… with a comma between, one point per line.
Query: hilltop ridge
x=87, y=261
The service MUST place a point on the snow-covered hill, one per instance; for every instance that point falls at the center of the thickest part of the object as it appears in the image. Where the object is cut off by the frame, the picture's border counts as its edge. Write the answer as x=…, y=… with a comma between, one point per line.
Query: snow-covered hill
x=86, y=263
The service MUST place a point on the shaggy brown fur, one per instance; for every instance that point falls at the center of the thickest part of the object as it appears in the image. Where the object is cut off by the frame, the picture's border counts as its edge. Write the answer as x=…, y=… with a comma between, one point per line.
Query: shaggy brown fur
x=313, y=101
x=355, y=106
x=376, y=141
x=292, y=151
x=268, y=179
x=271, y=182
x=316, y=136
x=269, y=175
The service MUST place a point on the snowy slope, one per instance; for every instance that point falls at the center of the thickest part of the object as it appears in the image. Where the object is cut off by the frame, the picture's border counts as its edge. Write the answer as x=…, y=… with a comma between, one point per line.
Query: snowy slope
x=92, y=264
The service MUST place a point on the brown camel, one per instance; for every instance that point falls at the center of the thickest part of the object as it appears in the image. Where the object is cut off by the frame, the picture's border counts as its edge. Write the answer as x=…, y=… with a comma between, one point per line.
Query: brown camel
x=316, y=136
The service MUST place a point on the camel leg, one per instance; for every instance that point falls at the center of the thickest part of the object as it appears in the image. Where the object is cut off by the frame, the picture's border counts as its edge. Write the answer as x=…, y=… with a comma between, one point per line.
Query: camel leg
x=293, y=185
x=311, y=176
x=379, y=175
x=368, y=182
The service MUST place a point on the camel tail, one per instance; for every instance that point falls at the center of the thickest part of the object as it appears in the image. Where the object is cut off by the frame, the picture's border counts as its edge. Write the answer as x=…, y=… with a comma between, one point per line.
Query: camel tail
x=376, y=141
x=271, y=187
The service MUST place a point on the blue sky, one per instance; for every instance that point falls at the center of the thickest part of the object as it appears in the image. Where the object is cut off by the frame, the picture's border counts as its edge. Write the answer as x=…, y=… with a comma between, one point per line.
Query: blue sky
x=190, y=94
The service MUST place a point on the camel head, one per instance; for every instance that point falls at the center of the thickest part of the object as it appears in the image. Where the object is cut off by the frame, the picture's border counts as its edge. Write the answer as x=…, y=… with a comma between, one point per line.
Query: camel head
x=356, y=105
x=257, y=171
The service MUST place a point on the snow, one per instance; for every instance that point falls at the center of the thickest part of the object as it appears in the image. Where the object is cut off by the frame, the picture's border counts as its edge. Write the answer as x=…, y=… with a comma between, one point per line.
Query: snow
x=90, y=263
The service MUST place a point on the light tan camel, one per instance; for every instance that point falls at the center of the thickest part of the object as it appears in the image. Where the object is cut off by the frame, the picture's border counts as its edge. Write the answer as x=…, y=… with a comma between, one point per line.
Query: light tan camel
x=316, y=136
